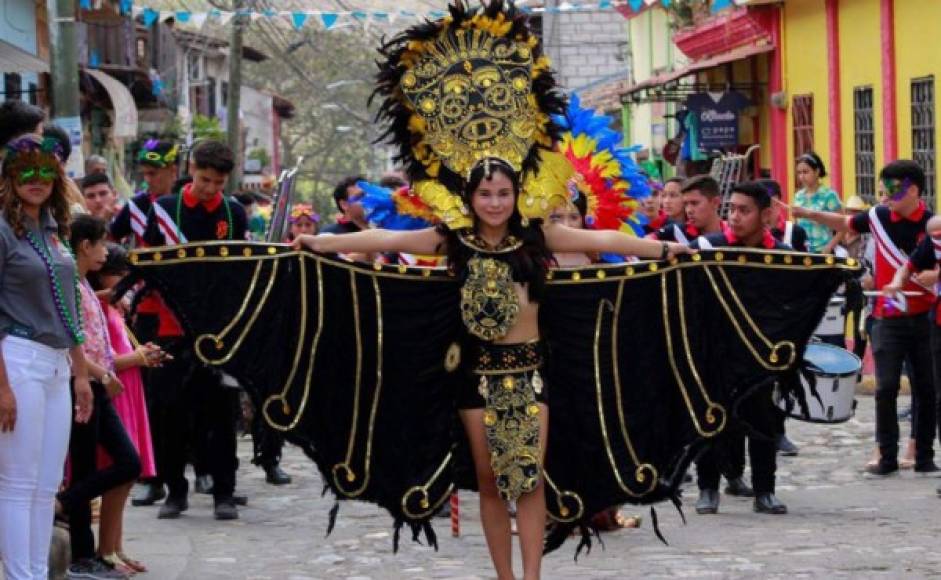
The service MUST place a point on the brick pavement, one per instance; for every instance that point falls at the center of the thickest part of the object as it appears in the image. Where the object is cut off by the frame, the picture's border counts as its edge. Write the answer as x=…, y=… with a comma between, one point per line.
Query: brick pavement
x=840, y=525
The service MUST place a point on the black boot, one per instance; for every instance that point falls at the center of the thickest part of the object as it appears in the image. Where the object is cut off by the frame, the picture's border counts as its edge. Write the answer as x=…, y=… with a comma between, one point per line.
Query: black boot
x=786, y=447
x=767, y=503
x=225, y=509
x=739, y=488
x=173, y=507
x=149, y=494
x=276, y=476
x=708, y=501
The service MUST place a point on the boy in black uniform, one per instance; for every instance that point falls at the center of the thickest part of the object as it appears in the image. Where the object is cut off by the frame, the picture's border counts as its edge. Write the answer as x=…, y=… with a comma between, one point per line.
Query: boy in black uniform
x=749, y=209
x=792, y=234
x=200, y=212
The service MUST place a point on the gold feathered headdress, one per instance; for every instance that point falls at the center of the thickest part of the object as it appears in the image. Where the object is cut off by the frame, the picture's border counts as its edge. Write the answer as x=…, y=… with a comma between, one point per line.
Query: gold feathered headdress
x=471, y=86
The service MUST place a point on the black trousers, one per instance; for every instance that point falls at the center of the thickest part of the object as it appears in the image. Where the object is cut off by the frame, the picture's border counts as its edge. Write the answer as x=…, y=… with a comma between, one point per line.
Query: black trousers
x=87, y=481
x=197, y=417
x=727, y=453
x=266, y=442
x=894, y=340
x=936, y=375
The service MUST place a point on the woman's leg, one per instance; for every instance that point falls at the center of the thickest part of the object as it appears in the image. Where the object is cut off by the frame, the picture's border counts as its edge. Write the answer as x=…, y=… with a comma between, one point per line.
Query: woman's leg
x=112, y=514
x=531, y=511
x=493, y=513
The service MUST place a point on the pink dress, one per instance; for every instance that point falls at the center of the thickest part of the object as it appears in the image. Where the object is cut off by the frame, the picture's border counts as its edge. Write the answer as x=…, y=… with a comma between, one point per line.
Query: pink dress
x=130, y=405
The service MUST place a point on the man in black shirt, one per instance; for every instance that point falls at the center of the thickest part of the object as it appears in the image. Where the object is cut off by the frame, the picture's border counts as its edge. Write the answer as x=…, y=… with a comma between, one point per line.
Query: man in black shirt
x=200, y=212
x=791, y=234
x=347, y=196
x=749, y=210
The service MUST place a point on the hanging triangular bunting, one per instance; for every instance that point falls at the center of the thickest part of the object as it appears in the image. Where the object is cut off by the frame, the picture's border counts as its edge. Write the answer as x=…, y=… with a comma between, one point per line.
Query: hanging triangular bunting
x=359, y=15
x=666, y=3
x=380, y=16
x=85, y=4
x=636, y=5
x=604, y=4
x=329, y=19
x=182, y=16
x=298, y=19
x=720, y=5
x=149, y=17
x=126, y=6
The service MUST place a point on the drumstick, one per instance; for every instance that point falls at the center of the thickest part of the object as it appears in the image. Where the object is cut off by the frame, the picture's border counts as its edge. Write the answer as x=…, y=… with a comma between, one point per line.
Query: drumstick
x=876, y=293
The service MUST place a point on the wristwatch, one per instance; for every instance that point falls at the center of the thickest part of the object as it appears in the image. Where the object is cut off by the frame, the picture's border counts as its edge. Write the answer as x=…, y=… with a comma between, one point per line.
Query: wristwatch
x=107, y=379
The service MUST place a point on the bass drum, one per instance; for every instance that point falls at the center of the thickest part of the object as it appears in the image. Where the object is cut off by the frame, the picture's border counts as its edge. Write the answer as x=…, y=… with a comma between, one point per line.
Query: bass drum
x=836, y=371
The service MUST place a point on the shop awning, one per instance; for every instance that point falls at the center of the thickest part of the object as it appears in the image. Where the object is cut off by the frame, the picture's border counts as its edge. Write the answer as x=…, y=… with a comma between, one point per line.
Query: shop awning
x=609, y=96
x=16, y=60
x=125, y=110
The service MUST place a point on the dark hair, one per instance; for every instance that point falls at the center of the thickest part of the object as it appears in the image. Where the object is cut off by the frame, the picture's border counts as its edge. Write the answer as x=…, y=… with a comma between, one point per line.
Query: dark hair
x=903, y=169
x=340, y=192
x=392, y=181
x=212, y=154
x=679, y=180
x=180, y=183
x=530, y=262
x=754, y=190
x=59, y=134
x=581, y=204
x=814, y=162
x=93, y=179
x=18, y=118
x=704, y=184
x=87, y=228
x=116, y=264
x=771, y=186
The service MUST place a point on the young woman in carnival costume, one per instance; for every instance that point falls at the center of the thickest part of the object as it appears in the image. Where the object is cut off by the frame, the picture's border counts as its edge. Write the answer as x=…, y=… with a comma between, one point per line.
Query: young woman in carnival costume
x=470, y=101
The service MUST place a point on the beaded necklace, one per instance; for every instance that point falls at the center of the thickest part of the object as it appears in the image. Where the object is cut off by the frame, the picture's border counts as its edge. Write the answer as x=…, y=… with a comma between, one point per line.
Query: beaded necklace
x=179, y=215
x=73, y=326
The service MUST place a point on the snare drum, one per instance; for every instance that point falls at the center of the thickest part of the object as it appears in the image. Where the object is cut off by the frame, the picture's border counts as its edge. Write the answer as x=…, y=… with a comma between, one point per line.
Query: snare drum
x=834, y=321
x=836, y=371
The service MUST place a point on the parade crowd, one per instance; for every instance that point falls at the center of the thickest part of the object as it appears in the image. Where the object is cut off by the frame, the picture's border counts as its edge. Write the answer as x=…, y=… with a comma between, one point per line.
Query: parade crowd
x=94, y=399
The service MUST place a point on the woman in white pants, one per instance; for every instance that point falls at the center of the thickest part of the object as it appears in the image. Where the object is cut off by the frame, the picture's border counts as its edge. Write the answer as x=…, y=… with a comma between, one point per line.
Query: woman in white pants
x=40, y=334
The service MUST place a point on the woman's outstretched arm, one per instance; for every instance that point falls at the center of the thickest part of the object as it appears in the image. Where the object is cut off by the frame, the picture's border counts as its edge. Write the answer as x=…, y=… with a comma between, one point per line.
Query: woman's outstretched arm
x=560, y=238
x=424, y=242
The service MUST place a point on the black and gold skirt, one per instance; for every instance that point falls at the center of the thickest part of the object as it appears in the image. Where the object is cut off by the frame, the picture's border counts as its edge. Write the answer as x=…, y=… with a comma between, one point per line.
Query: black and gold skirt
x=508, y=384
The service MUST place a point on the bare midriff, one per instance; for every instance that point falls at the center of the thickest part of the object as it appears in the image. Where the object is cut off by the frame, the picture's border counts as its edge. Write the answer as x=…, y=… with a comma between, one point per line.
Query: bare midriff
x=526, y=328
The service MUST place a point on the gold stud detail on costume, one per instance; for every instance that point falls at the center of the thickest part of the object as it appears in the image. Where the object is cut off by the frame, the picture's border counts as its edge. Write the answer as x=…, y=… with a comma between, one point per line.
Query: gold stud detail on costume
x=246, y=251
x=424, y=503
x=157, y=256
x=524, y=221
x=219, y=344
x=532, y=410
x=426, y=273
x=134, y=258
x=851, y=261
x=285, y=408
x=272, y=250
x=223, y=251
x=350, y=476
x=181, y=253
x=830, y=260
x=576, y=276
x=452, y=359
x=769, y=258
x=537, y=383
x=719, y=256
x=629, y=271
x=403, y=268
x=773, y=358
x=697, y=257
x=788, y=259
x=377, y=266
x=550, y=274
x=653, y=267
x=600, y=275
x=564, y=511
x=200, y=252
x=490, y=418
x=743, y=259
x=509, y=383
x=808, y=261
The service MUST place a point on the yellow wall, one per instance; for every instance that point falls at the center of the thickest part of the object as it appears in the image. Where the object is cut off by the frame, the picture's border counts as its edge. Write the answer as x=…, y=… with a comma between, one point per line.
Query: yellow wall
x=805, y=71
x=860, y=65
x=915, y=56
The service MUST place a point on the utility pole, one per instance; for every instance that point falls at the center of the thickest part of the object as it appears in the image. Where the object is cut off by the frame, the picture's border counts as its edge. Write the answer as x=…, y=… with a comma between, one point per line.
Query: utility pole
x=64, y=69
x=234, y=98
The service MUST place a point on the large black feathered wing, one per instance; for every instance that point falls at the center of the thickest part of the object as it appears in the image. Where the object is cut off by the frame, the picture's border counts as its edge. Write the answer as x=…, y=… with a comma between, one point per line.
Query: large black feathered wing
x=648, y=360
x=358, y=365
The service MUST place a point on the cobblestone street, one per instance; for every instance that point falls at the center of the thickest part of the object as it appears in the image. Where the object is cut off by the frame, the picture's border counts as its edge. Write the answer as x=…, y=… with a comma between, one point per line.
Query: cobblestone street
x=840, y=525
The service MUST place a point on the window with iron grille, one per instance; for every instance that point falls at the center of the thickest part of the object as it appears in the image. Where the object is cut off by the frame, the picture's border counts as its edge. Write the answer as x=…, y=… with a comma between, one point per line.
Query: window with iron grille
x=802, y=110
x=864, y=147
x=923, y=142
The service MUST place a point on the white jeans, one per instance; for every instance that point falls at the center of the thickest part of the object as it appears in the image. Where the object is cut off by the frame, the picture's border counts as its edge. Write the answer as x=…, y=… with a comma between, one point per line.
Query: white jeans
x=32, y=456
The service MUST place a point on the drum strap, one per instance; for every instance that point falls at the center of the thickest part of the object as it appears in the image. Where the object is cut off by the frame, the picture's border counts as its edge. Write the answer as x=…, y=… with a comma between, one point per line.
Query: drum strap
x=680, y=235
x=704, y=243
x=788, y=232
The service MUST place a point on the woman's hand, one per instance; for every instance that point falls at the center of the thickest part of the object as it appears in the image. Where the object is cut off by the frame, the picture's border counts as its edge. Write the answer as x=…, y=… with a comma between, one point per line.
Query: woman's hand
x=7, y=409
x=675, y=249
x=150, y=355
x=83, y=399
x=115, y=387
